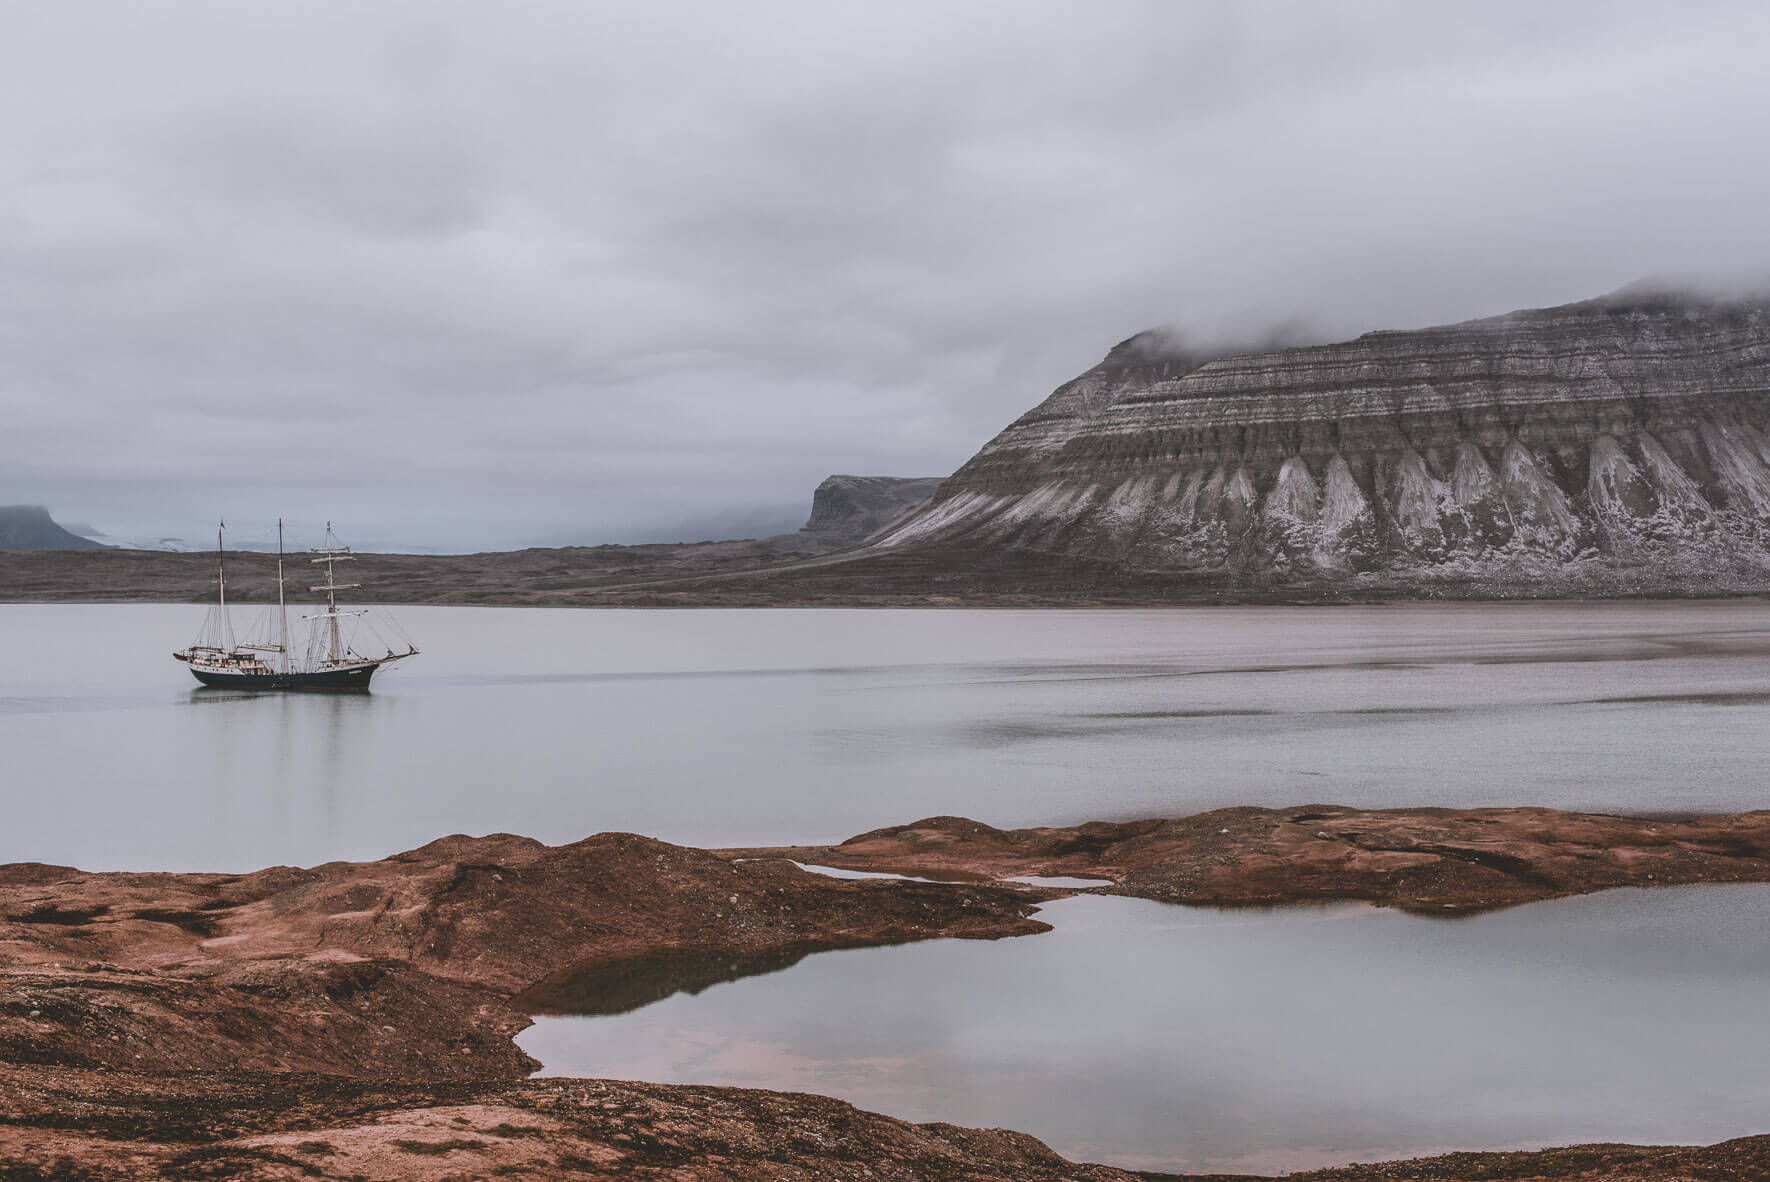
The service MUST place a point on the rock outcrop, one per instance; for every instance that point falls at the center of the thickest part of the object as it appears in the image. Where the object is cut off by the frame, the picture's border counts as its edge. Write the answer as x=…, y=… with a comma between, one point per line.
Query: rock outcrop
x=1427, y=860
x=1627, y=433
x=354, y=1020
x=29, y=527
x=848, y=509
x=243, y=1126
x=405, y=966
x=123, y=1126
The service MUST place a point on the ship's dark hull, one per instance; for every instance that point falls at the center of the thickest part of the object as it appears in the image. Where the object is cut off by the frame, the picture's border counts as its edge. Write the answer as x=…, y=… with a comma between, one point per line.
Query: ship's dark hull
x=355, y=677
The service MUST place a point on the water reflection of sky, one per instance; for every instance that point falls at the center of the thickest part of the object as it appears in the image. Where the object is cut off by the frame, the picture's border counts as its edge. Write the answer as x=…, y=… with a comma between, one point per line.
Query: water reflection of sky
x=782, y=726
x=1160, y=1037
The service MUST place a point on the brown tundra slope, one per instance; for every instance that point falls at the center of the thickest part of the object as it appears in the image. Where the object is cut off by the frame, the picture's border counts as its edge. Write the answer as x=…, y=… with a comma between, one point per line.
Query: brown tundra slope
x=404, y=967
x=356, y=1019
x=57, y=1123
x=1431, y=861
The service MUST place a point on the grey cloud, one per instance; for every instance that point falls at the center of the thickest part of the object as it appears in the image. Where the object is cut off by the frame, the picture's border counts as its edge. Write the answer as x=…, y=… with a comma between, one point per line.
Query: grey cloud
x=482, y=275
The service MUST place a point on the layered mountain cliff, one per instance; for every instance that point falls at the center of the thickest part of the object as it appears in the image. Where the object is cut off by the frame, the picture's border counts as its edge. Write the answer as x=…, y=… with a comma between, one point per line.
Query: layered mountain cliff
x=1627, y=433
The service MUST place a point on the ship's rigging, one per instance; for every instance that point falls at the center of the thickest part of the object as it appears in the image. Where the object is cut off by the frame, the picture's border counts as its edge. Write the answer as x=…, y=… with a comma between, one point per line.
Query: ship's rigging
x=338, y=652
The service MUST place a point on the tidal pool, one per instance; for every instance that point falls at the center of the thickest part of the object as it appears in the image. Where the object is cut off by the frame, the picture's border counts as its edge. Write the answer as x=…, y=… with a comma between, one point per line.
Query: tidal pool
x=1173, y=1038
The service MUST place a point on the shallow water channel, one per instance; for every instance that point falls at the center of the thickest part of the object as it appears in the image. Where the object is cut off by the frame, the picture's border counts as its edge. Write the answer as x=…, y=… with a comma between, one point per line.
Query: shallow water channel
x=1160, y=1037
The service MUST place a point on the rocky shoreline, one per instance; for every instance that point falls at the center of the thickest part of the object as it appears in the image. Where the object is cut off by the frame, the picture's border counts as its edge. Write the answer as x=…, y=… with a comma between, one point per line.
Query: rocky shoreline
x=406, y=967
x=60, y=1123
x=1427, y=861
x=357, y=1019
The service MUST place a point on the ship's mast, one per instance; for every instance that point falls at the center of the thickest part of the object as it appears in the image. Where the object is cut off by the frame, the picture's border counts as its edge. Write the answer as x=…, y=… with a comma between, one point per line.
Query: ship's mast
x=282, y=607
x=218, y=631
x=330, y=553
x=332, y=597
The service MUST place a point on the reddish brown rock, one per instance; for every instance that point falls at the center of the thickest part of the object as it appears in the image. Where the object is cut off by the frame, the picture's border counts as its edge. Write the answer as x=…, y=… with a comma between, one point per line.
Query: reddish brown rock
x=356, y=1019
x=404, y=967
x=247, y=1126
x=1425, y=860
x=255, y=1127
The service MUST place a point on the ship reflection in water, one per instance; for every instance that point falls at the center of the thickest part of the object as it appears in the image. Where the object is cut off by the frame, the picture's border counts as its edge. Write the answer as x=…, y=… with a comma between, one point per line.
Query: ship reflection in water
x=1187, y=1039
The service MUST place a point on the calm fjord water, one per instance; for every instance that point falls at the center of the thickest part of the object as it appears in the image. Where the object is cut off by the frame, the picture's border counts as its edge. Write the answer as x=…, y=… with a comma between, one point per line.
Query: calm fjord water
x=746, y=727
x=1136, y=1033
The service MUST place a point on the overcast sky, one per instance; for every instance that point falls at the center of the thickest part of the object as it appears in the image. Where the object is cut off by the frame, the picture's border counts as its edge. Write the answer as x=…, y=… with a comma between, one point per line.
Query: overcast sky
x=466, y=276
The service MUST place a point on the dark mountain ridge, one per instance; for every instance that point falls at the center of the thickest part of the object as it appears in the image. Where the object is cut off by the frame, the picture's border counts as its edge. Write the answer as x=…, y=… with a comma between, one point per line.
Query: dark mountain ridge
x=848, y=509
x=845, y=511
x=29, y=527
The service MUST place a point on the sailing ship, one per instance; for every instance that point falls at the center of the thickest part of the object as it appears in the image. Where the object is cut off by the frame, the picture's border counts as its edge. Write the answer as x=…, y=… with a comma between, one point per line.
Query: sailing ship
x=329, y=659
